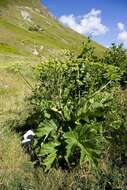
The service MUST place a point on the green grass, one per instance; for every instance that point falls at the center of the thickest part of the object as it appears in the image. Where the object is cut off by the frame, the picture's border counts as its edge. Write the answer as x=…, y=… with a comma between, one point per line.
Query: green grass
x=15, y=32
x=16, y=170
x=5, y=3
x=6, y=48
x=12, y=92
x=16, y=46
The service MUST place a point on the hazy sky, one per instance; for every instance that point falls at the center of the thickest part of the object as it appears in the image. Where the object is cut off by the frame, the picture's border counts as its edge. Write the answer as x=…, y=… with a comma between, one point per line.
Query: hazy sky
x=104, y=20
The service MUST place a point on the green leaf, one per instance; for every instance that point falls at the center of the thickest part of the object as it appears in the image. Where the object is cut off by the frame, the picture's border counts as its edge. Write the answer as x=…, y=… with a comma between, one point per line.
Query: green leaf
x=88, y=153
x=66, y=113
x=46, y=128
x=47, y=115
x=71, y=140
x=96, y=105
x=50, y=152
x=49, y=160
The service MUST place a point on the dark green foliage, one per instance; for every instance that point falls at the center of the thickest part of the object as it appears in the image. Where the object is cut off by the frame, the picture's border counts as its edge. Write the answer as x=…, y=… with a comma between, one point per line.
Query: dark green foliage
x=35, y=28
x=88, y=53
x=80, y=121
x=117, y=56
x=74, y=102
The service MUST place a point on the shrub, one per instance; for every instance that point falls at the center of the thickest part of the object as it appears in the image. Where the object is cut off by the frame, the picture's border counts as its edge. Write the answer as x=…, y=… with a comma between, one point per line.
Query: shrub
x=117, y=56
x=73, y=101
x=35, y=28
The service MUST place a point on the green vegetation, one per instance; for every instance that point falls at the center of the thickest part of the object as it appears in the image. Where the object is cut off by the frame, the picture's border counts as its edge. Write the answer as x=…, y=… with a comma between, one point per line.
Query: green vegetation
x=72, y=108
x=78, y=112
x=18, y=44
x=48, y=32
x=117, y=56
x=79, y=117
x=71, y=94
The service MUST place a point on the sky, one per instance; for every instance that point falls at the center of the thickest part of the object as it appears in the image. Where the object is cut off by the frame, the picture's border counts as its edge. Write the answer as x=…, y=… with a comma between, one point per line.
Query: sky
x=105, y=21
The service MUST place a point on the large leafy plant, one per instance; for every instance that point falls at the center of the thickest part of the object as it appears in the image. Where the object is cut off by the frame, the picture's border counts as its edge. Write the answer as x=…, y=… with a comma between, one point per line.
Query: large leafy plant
x=117, y=55
x=73, y=103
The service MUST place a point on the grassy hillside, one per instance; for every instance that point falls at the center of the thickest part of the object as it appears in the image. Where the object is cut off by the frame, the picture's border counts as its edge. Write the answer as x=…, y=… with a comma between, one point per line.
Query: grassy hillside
x=20, y=34
x=28, y=34
x=85, y=100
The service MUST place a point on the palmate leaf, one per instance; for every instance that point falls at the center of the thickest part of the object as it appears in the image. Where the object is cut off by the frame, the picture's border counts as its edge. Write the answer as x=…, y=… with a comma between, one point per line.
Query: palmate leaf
x=87, y=152
x=49, y=152
x=71, y=140
x=45, y=128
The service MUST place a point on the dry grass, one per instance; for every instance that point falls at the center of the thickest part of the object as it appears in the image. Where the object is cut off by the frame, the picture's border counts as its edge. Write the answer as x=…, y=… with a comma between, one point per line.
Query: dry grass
x=12, y=93
x=14, y=164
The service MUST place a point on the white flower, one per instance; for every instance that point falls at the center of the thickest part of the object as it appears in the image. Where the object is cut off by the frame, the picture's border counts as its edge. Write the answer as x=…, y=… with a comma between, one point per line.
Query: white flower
x=28, y=136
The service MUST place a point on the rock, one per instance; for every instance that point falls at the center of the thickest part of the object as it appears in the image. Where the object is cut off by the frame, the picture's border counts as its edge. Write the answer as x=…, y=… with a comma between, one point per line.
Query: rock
x=26, y=15
x=35, y=52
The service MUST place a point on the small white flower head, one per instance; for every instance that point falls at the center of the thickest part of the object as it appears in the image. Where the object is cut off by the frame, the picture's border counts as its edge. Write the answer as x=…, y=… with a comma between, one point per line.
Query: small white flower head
x=28, y=136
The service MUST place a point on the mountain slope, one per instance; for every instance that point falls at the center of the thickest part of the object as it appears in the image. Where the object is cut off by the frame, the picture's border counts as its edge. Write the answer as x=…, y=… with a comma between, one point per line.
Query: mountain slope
x=27, y=25
x=28, y=32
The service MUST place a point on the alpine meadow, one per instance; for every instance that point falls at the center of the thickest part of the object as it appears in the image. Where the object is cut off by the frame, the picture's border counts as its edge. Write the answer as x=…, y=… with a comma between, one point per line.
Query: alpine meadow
x=63, y=103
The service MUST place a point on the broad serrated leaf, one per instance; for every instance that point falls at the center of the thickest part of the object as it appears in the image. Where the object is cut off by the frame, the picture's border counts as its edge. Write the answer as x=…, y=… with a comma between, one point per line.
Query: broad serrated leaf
x=48, y=148
x=49, y=160
x=87, y=153
x=71, y=140
x=49, y=151
x=46, y=128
